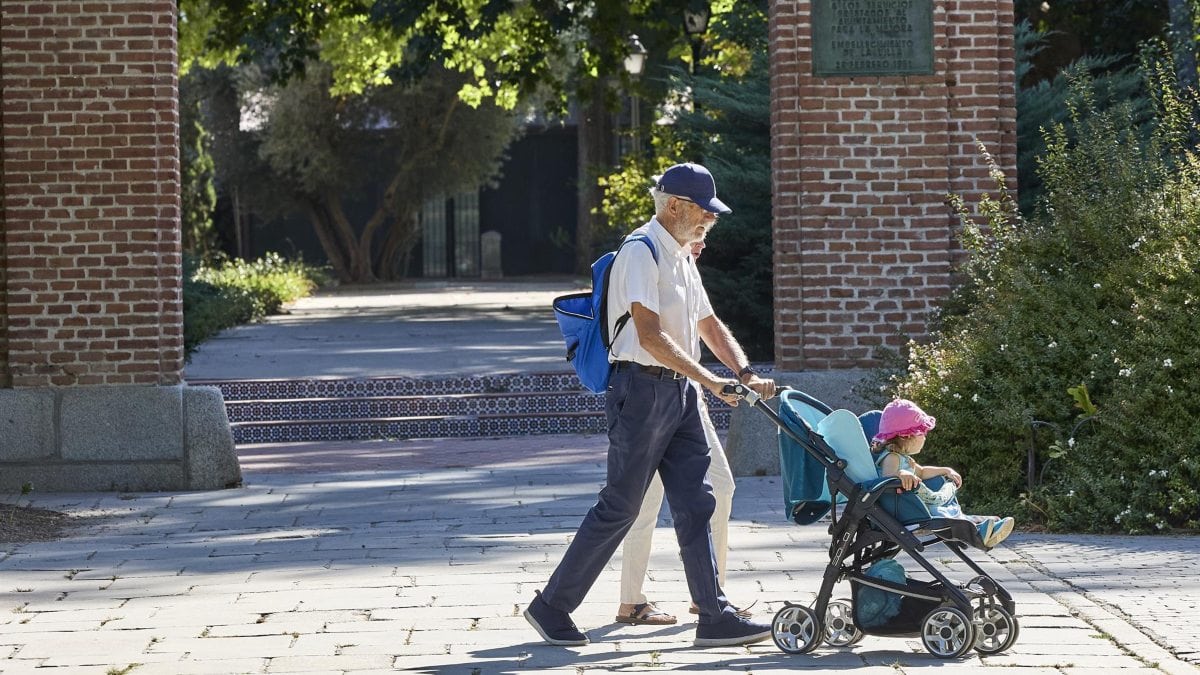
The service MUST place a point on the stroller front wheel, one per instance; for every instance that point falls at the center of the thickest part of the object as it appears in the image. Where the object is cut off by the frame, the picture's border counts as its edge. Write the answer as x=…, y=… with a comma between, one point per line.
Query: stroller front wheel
x=997, y=629
x=796, y=629
x=947, y=633
x=840, y=630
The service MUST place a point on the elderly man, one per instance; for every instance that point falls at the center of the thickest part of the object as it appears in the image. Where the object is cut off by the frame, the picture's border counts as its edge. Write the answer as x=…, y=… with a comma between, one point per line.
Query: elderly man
x=654, y=417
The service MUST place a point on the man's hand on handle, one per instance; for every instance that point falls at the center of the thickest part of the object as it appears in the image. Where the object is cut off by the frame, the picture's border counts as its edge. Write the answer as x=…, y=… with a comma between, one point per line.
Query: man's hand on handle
x=764, y=388
x=717, y=387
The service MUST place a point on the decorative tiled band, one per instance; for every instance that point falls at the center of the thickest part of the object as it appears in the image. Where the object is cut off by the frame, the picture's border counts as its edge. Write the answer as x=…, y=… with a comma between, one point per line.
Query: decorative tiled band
x=273, y=411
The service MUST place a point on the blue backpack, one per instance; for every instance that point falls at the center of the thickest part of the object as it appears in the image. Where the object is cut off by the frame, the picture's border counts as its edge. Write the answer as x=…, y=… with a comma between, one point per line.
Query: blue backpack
x=583, y=320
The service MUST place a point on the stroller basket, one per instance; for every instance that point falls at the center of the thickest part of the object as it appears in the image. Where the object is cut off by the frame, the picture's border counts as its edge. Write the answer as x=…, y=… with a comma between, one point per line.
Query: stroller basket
x=883, y=612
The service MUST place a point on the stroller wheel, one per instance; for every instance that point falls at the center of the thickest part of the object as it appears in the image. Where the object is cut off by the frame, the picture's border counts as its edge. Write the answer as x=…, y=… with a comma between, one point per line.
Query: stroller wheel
x=947, y=633
x=796, y=629
x=995, y=628
x=840, y=630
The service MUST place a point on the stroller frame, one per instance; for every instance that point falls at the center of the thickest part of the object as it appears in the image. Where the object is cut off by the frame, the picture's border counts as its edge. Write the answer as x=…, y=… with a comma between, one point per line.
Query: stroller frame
x=958, y=617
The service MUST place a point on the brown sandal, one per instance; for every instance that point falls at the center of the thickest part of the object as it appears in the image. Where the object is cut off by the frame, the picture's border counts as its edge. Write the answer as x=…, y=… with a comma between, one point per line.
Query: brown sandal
x=646, y=614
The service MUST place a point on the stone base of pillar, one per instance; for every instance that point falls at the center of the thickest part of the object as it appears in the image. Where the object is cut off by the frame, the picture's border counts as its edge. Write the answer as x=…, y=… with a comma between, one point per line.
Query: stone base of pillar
x=135, y=439
x=752, y=443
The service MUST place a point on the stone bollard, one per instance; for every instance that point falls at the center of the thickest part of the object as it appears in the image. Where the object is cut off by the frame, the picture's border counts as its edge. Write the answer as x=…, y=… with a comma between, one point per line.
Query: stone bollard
x=489, y=244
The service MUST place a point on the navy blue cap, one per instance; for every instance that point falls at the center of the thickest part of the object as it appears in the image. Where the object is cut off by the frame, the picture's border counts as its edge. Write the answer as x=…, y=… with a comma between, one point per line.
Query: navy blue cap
x=693, y=182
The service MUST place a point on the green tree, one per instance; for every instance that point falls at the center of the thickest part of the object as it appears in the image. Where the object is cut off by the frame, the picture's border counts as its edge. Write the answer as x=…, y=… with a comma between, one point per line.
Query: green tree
x=418, y=139
x=728, y=128
x=1042, y=103
x=562, y=52
x=198, y=171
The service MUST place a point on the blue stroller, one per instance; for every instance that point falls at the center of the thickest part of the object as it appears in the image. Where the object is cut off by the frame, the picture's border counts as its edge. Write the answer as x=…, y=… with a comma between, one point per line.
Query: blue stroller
x=826, y=464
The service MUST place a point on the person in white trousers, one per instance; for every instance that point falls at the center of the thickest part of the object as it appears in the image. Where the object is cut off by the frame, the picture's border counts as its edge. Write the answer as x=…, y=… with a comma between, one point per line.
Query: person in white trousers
x=635, y=552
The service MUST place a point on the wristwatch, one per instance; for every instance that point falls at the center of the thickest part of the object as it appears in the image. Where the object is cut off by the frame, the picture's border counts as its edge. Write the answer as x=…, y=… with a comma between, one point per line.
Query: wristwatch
x=748, y=370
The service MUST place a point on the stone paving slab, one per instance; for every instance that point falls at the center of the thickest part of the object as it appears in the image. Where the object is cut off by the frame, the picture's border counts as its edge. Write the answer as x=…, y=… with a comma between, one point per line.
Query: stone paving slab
x=424, y=568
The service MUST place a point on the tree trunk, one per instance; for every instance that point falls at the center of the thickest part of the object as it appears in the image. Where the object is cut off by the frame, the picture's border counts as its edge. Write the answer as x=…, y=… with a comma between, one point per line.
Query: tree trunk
x=358, y=248
x=329, y=241
x=595, y=156
x=402, y=236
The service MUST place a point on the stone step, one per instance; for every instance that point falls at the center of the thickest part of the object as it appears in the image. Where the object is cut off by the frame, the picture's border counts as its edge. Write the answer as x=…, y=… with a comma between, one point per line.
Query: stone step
x=435, y=426
x=278, y=411
x=360, y=387
x=345, y=408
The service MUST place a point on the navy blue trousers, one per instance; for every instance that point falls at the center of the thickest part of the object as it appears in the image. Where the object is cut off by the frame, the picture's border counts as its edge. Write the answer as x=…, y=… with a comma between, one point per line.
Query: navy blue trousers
x=653, y=425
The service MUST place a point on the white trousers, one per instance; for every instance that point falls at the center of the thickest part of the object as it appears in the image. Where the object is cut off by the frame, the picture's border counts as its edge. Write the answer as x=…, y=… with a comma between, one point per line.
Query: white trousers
x=635, y=552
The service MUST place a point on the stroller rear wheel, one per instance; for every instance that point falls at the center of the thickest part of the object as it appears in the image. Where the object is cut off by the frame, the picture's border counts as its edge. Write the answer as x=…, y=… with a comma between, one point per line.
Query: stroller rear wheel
x=840, y=630
x=996, y=628
x=947, y=633
x=796, y=629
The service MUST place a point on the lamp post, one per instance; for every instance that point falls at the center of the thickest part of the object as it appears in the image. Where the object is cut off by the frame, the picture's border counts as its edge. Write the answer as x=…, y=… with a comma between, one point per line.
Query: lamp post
x=635, y=63
x=695, y=23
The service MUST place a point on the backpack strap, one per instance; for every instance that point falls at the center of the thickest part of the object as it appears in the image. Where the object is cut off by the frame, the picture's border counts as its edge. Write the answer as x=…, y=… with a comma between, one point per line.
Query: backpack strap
x=624, y=318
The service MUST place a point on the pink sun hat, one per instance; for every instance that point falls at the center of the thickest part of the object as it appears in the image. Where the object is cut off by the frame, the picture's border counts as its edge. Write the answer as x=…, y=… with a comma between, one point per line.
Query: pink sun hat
x=902, y=417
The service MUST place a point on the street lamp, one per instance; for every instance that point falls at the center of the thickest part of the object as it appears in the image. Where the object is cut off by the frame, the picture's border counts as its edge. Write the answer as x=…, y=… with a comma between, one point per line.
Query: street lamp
x=635, y=63
x=695, y=23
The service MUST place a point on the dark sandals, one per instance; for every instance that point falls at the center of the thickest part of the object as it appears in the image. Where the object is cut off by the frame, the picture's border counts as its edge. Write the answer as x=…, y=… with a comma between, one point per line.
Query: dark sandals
x=646, y=614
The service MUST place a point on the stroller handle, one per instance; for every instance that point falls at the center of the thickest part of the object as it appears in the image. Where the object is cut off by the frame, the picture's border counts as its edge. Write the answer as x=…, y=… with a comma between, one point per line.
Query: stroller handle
x=742, y=391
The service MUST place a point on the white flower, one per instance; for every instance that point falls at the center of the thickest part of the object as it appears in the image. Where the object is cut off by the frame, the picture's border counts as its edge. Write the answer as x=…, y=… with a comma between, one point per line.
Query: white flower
x=1052, y=344
x=1095, y=285
x=975, y=398
x=1114, y=322
x=1003, y=347
x=1125, y=372
x=1170, y=390
x=957, y=396
x=1167, y=363
x=1071, y=493
x=1071, y=442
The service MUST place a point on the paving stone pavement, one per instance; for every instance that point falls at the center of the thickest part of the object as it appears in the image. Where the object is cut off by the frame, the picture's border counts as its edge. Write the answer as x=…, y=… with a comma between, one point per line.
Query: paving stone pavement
x=420, y=556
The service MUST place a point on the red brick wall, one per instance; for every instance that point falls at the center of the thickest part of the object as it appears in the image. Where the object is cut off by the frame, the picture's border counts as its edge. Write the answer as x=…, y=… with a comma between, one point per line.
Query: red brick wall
x=90, y=180
x=864, y=240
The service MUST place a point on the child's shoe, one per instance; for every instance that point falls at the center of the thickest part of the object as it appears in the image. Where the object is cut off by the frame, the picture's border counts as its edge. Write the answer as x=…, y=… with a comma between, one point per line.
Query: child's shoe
x=987, y=525
x=994, y=531
x=999, y=532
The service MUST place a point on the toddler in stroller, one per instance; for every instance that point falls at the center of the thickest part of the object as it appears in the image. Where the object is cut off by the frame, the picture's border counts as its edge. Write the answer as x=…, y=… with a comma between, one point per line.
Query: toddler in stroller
x=901, y=434
x=826, y=463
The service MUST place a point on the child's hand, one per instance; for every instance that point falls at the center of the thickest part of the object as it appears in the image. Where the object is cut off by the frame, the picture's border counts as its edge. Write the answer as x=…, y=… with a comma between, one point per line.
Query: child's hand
x=908, y=479
x=954, y=477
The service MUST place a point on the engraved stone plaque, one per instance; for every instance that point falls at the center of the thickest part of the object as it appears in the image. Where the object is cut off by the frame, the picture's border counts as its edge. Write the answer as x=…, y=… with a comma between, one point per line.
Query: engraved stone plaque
x=872, y=37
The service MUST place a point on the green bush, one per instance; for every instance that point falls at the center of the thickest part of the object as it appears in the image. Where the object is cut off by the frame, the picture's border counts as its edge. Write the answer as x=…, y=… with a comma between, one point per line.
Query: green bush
x=1095, y=293
x=234, y=292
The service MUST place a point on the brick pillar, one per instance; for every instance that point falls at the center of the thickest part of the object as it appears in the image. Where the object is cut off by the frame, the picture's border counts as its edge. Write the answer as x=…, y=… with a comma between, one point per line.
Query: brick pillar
x=90, y=269
x=90, y=254
x=864, y=240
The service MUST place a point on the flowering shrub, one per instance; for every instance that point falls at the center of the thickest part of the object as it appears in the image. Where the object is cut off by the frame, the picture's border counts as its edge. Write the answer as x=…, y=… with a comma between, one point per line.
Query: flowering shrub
x=1084, y=311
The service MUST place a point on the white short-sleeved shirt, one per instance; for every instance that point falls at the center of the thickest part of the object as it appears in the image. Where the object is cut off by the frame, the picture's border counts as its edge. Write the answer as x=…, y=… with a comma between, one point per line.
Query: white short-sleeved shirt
x=671, y=289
